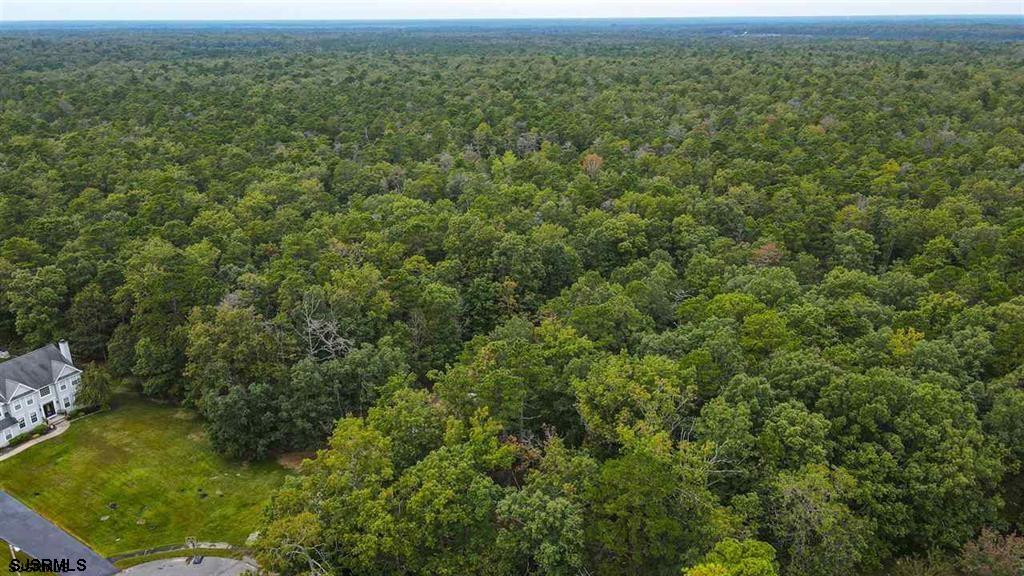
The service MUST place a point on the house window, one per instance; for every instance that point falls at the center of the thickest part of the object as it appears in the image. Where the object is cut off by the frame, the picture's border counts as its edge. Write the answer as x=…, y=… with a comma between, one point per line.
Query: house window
x=17, y=407
x=63, y=386
x=21, y=423
x=29, y=401
x=8, y=435
x=35, y=418
x=44, y=391
x=67, y=403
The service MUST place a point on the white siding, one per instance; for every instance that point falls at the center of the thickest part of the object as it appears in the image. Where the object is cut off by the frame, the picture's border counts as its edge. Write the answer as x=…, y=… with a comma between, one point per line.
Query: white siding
x=3, y=435
x=70, y=388
x=21, y=410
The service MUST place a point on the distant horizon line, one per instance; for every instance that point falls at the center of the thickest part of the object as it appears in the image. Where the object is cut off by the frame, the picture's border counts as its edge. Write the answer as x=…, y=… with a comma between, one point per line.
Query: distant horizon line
x=980, y=15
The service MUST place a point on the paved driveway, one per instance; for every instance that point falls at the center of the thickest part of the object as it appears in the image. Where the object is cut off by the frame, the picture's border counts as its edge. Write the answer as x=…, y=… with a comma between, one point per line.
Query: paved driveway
x=210, y=566
x=41, y=539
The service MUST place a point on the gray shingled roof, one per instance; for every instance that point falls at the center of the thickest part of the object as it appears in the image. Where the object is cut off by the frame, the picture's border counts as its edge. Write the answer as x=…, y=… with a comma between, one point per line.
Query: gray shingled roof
x=36, y=369
x=7, y=421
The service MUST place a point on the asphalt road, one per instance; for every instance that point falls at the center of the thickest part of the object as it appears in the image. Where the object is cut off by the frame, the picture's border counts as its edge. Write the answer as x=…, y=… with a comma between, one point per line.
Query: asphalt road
x=41, y=539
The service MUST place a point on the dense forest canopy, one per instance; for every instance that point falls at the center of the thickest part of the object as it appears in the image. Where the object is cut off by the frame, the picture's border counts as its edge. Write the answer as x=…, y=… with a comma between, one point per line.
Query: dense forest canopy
x=581, y=299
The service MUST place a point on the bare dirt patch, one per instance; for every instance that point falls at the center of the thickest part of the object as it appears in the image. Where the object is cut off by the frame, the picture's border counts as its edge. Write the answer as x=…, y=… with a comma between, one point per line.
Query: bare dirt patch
x=292, y=460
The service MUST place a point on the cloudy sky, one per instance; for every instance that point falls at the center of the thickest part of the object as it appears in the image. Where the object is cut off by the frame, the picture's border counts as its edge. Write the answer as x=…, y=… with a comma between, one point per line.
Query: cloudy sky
x=11, y=10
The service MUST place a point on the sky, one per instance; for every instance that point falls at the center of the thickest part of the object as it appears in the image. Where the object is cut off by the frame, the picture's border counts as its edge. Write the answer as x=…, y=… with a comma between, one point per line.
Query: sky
x=13, y=10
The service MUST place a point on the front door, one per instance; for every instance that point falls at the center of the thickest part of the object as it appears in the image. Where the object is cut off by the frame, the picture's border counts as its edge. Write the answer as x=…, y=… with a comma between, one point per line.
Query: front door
x=48, y=409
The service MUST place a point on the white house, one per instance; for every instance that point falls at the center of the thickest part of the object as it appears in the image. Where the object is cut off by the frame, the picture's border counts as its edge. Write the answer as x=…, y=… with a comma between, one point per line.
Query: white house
x=36, y=388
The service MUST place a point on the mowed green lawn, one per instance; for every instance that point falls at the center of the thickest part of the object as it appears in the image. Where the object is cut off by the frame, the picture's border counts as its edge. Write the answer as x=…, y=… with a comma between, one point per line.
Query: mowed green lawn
x=138, y=476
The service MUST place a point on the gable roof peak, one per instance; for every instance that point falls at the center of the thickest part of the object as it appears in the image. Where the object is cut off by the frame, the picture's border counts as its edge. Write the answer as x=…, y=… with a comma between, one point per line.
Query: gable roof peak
x=36, y=369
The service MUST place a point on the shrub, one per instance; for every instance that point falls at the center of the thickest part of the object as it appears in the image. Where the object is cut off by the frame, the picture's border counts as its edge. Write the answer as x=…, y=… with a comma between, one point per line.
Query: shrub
x=26, y=436
x=993, y=554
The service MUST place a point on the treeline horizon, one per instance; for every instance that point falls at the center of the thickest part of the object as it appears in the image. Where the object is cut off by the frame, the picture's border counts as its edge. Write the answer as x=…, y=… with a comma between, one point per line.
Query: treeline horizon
x=549, y=303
